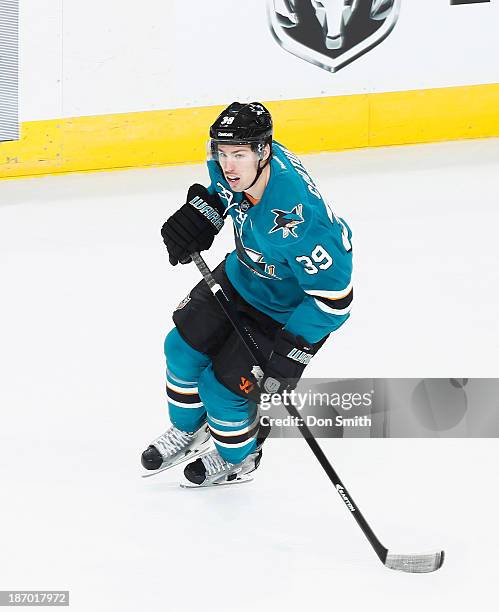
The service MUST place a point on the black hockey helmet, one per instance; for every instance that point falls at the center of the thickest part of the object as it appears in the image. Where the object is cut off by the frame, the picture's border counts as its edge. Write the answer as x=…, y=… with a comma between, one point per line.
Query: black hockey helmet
x=243, y=124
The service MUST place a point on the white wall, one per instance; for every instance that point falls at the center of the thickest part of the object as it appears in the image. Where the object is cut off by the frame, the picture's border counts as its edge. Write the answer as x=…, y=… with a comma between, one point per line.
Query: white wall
x=102, y=57
x=40, y=59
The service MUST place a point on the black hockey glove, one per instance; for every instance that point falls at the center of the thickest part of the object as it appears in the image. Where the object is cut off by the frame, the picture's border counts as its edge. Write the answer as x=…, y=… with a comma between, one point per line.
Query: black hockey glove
x=194, y=225
x=289, y=357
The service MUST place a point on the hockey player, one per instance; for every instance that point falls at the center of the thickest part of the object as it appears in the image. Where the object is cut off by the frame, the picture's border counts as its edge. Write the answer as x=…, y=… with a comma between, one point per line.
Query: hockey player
x=289, y=278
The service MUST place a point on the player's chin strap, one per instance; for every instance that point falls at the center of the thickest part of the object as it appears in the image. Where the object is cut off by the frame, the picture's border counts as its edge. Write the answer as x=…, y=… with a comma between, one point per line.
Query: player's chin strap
x=258, y=172
x=406, y=563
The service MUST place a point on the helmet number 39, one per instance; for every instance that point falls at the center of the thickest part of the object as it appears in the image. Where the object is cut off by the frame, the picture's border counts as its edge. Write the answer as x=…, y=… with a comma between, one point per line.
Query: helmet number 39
x=318, y=256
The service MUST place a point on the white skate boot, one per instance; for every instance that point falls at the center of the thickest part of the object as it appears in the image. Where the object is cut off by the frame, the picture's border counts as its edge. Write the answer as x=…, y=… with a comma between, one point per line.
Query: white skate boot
x=174, y=447
x=212, y=469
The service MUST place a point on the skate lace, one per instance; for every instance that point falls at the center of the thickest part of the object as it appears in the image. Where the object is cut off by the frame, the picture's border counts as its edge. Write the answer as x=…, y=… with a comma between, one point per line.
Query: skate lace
x=214, y=463
x=172, y=440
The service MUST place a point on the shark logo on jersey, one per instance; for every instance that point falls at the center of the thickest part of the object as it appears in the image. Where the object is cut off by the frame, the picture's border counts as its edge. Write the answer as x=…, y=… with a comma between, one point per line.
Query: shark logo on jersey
x=254, y=260
x=258, y=259
x=287, y=220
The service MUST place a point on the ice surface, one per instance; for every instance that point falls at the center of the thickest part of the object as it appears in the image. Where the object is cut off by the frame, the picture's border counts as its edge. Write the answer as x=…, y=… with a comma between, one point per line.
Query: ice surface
x=86, y=299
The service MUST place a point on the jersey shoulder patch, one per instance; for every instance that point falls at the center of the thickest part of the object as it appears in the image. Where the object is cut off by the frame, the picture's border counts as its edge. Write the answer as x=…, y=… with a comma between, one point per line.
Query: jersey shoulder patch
x=286, y=211
x=286, y=221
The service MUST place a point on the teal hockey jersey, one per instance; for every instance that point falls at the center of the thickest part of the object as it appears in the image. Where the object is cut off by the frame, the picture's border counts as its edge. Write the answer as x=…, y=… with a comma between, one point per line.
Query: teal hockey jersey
x=293, y=255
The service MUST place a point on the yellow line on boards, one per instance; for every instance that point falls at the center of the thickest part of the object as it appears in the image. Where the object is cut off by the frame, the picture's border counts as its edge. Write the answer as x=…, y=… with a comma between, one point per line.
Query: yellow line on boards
x=179, y=136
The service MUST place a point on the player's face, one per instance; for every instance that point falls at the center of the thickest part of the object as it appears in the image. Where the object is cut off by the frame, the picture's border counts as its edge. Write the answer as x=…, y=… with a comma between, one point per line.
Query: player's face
x=239, y=164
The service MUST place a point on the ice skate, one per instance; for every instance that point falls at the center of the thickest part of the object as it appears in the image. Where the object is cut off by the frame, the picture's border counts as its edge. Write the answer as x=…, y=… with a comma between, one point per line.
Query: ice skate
x=213, y=470
x=174, y=447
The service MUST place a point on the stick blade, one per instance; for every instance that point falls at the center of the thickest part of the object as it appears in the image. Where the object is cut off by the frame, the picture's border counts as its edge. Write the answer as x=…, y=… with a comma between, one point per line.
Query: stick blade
x=415, y=564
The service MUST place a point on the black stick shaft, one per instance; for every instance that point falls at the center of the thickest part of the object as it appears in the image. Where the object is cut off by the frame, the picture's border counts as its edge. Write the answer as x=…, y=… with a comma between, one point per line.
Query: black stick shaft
x=380, y=550
x=256, y=355
x=230, y=311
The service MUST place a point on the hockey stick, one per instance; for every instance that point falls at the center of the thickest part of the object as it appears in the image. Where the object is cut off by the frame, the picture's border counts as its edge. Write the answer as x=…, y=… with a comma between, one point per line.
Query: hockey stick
x=413, y=563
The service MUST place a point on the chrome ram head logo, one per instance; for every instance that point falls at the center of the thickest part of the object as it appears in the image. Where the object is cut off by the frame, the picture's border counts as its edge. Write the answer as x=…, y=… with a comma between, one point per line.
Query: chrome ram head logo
x=331, y=33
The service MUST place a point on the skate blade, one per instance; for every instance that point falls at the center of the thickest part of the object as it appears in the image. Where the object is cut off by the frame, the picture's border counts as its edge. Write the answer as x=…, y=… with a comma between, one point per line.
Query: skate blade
x=211, y=485
x=189, y=457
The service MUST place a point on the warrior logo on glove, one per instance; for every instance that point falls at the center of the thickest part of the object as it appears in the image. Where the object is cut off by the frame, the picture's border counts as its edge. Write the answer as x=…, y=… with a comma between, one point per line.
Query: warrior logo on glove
x=194, y=226
x=287, y=361
x=208, y=211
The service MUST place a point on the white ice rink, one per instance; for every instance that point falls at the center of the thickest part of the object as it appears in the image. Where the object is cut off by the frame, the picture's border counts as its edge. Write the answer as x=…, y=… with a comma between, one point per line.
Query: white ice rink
x=86, y=299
